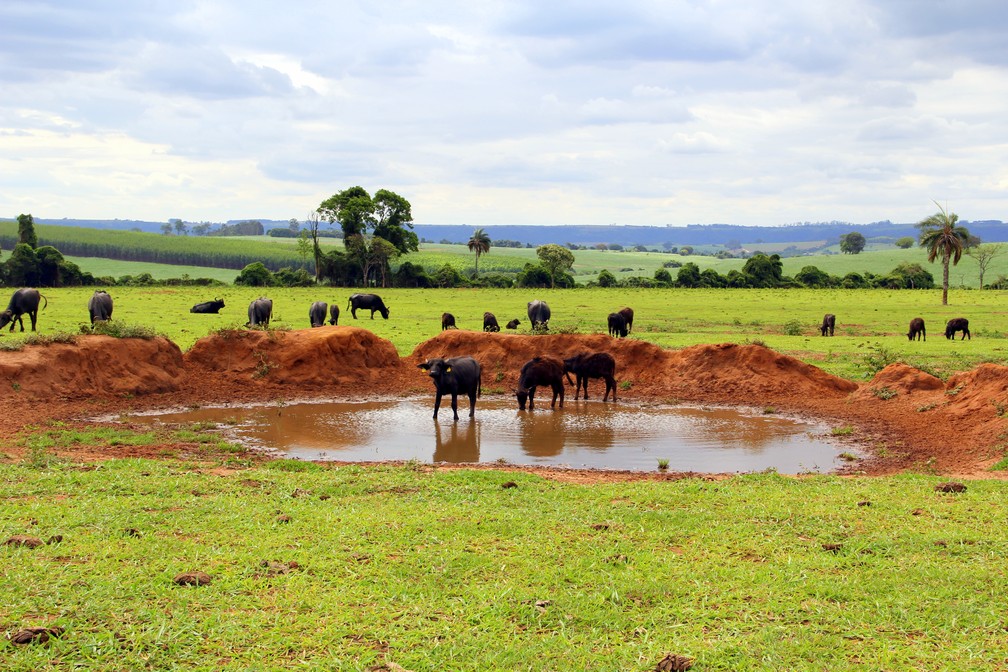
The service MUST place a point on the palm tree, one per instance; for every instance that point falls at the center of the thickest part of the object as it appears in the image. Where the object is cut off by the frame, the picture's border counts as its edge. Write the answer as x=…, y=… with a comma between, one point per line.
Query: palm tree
x=480, y=244
x=940, y=235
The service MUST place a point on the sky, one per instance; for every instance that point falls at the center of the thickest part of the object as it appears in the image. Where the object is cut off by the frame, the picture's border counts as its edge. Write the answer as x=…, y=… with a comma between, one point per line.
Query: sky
x=639, y=112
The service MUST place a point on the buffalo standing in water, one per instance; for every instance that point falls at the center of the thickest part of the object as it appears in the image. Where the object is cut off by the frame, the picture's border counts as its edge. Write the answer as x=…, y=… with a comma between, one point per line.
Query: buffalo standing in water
x=540, y=371
x=455, y=376
x=23, y=301
x=100, y=306
x=593, y=365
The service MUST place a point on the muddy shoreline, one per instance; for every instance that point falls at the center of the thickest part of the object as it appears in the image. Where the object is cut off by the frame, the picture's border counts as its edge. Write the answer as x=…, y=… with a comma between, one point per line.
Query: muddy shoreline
x=906, y=418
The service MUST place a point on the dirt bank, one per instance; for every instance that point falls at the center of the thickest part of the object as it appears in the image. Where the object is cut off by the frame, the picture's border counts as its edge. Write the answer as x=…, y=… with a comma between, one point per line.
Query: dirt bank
x=910, y=419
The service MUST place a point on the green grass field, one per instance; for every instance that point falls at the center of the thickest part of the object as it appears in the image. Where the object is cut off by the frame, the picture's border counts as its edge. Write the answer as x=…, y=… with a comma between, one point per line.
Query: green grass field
x=447, y=570
x=871, y=324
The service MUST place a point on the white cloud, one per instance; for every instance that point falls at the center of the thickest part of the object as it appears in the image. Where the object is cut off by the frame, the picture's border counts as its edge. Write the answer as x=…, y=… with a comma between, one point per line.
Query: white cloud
x=641, y=111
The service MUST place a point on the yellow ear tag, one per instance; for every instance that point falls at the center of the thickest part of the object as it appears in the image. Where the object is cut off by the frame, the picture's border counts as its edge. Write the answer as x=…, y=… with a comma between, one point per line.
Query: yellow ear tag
x=448, y=369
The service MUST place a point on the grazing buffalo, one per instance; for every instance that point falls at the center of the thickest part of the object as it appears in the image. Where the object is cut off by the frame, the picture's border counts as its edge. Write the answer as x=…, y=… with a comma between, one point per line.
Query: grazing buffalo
x=23, y=301
x=490, y=322
x=513, y=324
x=539, y=314
x=917, y=329
x=100, y=306
x=593, y=365
x=260, y=311
x=317, y=313
x=617, y=325
x=540, y=371
x=828, y=324
x=208, y=306
x=370, y=302
x=627, y=314
x=953, y=325
x=333, y=314
x=458, y=375
x=447, y=321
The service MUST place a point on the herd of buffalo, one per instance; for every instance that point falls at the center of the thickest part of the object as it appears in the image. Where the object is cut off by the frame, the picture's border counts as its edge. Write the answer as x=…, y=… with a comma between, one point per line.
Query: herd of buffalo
x=457, y=375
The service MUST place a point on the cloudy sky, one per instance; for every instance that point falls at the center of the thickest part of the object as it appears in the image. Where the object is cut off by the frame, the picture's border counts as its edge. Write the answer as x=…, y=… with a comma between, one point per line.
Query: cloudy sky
x=648, y=112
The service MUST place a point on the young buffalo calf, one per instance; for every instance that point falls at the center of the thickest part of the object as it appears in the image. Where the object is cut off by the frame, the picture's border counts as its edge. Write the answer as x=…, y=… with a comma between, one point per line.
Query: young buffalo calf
x=540, y=371
x=593, y=365
x=447, y=321
x=455, y=376
x=828, y=323
x=917, y=329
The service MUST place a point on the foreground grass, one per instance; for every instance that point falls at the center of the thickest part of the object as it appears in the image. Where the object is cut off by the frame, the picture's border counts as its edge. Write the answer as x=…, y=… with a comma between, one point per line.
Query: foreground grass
x=439, y=570
x=871, y=324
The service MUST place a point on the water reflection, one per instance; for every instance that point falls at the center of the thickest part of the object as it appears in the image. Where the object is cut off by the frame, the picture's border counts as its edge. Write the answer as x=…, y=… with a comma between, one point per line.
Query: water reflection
x=589, y=434
x=457, y=442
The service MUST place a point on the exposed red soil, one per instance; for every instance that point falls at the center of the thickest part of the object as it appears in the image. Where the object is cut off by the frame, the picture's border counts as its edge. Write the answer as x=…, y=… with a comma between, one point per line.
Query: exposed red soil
x=908, y=418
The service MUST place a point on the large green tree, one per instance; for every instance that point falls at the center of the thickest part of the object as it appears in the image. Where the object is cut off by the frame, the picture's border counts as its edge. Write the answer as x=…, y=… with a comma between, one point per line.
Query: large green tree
x=555, y=259
x=480, y=244
x=393, y=219
x=852, y=243
x=942, y=237
x=26, y=230
x=352, y=208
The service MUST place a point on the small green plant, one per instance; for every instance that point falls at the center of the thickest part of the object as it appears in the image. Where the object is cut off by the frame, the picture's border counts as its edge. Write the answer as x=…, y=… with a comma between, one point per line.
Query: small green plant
x=118, y=329
x=884, y=393
x=877, y=358
x=999, y=408
x=756, y=341
x=264, y=365
x=625, y=385
x=793, y=328
x=769, y=410
x=16, y=386
x=954, y=391
x=926, y=407
x=663, y=463
x=848, y=457
x=845, y=430
x=499, y=376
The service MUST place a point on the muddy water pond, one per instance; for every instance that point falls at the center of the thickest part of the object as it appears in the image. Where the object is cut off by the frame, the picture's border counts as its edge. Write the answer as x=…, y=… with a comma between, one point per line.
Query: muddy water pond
x=593, y=435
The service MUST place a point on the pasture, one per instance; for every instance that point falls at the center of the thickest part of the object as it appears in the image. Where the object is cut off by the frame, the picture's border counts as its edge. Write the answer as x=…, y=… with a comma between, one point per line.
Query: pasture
x=405, y=568
x=870, y=331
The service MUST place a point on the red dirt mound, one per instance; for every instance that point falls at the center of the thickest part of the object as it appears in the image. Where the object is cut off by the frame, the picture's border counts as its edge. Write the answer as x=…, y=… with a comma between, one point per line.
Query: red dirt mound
x=981, y=393
x=93, y=365
x=901, y=379
x=750, y=373
x=320, y=357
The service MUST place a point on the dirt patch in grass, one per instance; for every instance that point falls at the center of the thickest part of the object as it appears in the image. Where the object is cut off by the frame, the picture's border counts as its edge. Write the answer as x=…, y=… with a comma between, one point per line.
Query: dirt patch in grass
x=952, y=428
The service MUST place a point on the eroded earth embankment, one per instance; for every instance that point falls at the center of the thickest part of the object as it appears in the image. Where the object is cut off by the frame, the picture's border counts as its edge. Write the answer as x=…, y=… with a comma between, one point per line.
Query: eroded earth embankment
x=908, y=418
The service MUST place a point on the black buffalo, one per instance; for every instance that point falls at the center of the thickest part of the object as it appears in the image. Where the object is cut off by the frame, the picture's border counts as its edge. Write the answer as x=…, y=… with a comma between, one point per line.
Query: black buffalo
x=455, y=376
x=540, y=371
x=317, y=313
x=100, y=306
x=617, y=325
x=490, y=322
x=953, y=325
x=513, y=324
x=370, y=302
x=539, y=314
x=591, y=365
x=917, y=329
x=260, y=311
x=627, y=314
x=23, y=301
x=828, y=324
x=447, y=321
x=333, y=314
x=208, y=306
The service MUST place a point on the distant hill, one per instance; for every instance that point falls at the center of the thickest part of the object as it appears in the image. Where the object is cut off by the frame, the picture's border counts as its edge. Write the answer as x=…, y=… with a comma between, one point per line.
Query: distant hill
x=692, y=234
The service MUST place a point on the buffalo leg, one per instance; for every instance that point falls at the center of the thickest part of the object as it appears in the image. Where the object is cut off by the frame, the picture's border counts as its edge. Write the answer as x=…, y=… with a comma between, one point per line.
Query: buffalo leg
x=437, y=403
x=472, y=404
x=531, y=399
x=455, y=406
x=610, y=384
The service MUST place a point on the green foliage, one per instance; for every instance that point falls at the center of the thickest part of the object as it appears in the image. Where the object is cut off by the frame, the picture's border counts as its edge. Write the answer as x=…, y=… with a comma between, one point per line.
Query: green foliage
x=852, y=243
x=661, y=275
x=905, y=243
x=22, y=267
x=810, y=276
x=255, y=275
x=763, y=270
x=534, y=275
x=942, y=237
x=26, y=231
x=793, y=328
x=688, y=275
x=556, y=259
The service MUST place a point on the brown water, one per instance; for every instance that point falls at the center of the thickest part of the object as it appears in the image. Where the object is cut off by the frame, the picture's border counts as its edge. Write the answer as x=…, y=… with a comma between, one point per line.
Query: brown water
x=583, y=434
